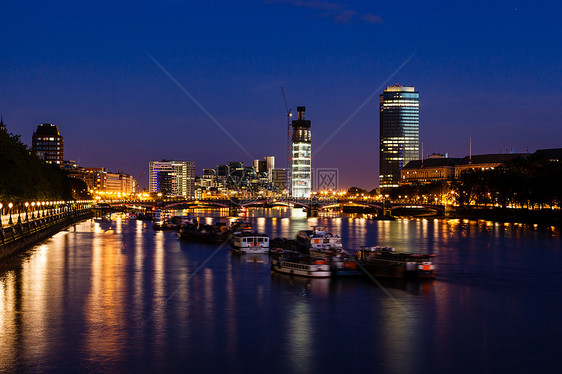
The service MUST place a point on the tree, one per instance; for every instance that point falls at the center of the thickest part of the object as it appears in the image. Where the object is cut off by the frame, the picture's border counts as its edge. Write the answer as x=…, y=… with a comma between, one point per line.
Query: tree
x=23, y=176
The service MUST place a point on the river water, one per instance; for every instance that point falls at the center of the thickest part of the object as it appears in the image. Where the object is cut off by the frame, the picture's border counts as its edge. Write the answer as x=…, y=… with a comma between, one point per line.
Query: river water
x=117, y=296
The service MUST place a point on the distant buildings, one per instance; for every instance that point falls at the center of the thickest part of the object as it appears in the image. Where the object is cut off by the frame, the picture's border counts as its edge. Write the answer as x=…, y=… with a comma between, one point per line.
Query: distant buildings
x=172, y=178
x=301, y=165
x=48, y=143
x=234, y=179
x=265, y=166
x=399, y=132
x=100, y=181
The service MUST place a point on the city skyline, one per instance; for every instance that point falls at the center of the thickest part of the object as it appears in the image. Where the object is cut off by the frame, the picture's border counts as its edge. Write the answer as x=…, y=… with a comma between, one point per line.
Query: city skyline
x=482, y=73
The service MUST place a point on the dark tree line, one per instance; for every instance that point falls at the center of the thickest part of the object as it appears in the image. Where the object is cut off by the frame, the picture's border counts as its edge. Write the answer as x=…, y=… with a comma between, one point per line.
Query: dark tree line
x=531, y=182
x=426, y=192
x=23, y=176
x=358, y=191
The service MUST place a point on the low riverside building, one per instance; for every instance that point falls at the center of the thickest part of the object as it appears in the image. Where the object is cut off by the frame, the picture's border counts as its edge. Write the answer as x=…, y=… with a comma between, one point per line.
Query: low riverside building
x=551, y=155
x=438, y=167
x=485, y=162
x=99, y=180
x=435, y=168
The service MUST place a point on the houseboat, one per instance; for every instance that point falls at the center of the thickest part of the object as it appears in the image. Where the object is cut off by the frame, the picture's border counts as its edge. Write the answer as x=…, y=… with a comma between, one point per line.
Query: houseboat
x=249, y=242
x=302, y=266
x=204, y=233
x=386, y=262
x=344, y=265
x=319, y=242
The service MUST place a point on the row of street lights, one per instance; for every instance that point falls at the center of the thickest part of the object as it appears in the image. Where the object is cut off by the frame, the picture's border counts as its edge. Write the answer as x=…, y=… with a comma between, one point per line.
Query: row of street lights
x=38, y=209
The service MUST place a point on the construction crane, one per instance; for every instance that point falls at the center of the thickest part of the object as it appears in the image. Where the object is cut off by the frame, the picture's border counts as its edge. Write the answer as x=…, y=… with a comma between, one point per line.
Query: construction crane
x=138, y=180
x=289, y=147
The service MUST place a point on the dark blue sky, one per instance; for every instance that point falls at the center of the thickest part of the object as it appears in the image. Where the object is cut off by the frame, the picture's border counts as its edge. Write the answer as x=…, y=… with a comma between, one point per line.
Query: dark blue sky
x=489, y=70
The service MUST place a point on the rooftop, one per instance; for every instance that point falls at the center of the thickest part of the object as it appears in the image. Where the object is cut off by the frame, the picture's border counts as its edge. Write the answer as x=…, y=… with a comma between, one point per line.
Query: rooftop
x=432, y=163
x=491, y=158
x=398, y=88
x=553, y=154
x=47, y=129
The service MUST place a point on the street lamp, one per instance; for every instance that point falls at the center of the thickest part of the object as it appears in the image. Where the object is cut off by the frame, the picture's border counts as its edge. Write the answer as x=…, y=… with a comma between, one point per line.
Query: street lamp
x=26, y=216
x=1, y=214
x=33, y=210
x=10, y=222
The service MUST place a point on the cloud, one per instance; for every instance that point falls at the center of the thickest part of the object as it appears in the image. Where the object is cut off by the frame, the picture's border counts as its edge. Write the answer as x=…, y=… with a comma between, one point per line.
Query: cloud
x=339, y=13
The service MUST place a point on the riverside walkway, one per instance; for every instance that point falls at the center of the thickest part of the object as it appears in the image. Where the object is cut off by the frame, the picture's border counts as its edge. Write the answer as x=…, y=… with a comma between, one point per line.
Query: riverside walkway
x=22, y=228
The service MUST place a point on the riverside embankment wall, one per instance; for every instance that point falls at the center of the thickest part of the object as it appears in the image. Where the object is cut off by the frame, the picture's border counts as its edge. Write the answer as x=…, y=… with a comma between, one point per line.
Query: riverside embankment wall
x=19, y=237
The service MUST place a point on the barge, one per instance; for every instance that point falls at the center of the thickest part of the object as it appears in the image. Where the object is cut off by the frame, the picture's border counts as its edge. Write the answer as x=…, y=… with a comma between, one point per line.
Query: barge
x=386, y=262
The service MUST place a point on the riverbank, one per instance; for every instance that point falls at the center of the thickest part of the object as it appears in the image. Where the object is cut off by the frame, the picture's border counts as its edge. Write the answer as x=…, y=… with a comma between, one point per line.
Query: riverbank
x=525, y=216
x=24, y=235
x=545, y=217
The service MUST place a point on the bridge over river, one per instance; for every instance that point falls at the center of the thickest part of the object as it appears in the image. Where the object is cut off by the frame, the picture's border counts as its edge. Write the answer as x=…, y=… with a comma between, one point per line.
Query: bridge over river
x=312, y=206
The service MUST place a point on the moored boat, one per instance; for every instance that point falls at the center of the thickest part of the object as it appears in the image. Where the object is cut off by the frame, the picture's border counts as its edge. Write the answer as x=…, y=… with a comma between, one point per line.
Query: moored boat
x=319, y=242
x=386, y=262
x=204, y=233
x=165, y=224
x=302, y=266
x=343, y=265
x=240, y=226
x=174, y=223
x=249, y=242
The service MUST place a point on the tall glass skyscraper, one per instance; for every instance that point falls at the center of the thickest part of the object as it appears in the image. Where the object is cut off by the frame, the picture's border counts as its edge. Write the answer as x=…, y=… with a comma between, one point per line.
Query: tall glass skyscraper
x=301, y=172
x=399, y=132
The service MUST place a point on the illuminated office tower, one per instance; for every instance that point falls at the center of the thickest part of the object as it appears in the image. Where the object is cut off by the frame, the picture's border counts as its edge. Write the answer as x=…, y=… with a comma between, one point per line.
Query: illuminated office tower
x=172, y=178
x=300, y=170
x=399, y=132
x=47, y=143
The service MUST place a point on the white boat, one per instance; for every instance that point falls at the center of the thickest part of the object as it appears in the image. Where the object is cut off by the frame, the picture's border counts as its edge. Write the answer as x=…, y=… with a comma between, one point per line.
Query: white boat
x=320, y=242
x=249, y=242
x=302, y=266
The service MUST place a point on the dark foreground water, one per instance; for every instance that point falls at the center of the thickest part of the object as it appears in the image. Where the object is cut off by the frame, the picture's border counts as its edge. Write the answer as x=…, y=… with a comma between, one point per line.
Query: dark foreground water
x=116, y=296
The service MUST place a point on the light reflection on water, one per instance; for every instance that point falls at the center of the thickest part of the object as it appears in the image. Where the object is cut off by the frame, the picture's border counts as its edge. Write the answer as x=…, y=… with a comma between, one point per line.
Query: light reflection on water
x=116, y=296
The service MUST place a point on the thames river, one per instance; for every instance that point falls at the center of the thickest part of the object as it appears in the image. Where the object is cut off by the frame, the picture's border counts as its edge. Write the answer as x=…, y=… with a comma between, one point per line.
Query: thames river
x=117, y=296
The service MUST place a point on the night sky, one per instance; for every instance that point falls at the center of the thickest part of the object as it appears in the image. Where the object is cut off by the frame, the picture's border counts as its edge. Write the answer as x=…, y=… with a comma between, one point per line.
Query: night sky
x=490, y=70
